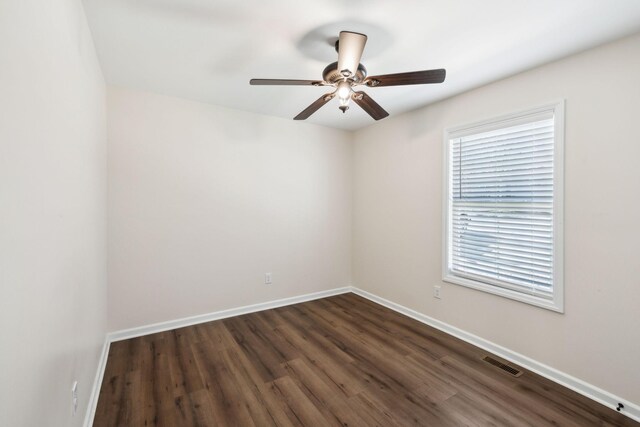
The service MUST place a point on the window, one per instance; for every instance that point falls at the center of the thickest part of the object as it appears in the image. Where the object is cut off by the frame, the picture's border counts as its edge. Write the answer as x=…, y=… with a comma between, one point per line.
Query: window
x=503, y=206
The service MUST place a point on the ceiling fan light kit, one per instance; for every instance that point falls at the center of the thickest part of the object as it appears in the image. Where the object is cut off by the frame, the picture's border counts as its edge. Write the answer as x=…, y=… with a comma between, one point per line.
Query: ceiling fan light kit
x=347, y=73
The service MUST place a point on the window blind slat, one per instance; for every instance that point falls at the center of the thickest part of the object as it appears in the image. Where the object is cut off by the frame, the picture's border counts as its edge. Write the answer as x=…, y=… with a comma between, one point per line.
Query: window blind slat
x=506, y=175
x=526, y=163
x=508, y=244
x=506, y=137
x=524, y=151
x=530, y=279
x=501, y=218
x=523, y=256
x=499, y=266
x=482, y=149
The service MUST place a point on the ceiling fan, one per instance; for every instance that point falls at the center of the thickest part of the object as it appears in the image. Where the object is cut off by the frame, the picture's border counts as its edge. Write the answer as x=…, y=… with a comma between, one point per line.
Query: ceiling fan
x=347, y=73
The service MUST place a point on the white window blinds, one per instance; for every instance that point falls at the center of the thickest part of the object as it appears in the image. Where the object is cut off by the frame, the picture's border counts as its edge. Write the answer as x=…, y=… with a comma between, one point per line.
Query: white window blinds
x=501, y=205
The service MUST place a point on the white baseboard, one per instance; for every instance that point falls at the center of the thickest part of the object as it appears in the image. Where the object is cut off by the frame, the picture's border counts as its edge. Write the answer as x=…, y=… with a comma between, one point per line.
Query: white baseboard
x=610, y=400
x=97, y=383
x=217, y=315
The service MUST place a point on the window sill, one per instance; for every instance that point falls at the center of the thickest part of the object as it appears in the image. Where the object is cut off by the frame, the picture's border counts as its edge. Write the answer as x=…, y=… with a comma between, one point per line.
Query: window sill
x=553, y=305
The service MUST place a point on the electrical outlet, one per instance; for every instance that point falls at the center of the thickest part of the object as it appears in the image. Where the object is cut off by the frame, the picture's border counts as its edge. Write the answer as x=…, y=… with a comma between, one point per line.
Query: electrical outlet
x=436, y=292
x=74, y=398
x=267, y=278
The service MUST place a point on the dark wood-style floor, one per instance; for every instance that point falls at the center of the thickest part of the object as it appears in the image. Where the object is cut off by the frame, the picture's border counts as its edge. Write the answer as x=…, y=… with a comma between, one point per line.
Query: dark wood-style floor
x=339, y=361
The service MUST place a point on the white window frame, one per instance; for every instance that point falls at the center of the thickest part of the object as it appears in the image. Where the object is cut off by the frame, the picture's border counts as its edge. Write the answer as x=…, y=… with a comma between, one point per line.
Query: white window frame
x=556, y=303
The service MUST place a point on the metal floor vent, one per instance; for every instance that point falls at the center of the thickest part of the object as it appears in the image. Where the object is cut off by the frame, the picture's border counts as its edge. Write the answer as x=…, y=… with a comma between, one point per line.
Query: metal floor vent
x=510, y=369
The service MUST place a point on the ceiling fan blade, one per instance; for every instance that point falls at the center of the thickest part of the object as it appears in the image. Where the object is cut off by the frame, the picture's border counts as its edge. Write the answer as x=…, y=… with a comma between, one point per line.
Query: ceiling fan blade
x=369, y=105
x=314, y=107
x=410, y=78
x=350, y=48
x=285, y=82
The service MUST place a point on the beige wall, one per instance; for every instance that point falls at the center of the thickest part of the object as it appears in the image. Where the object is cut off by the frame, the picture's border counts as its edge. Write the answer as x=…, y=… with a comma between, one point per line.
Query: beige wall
x=52, y=212
x=204, y=200
x=397, y=235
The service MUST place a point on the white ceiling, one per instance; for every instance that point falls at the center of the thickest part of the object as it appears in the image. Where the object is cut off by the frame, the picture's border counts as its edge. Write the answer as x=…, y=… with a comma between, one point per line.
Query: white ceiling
x=207, y=50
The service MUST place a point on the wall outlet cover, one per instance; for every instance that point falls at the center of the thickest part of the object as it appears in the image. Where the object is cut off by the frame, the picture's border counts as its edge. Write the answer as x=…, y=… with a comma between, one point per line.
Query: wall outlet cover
x=436, y=292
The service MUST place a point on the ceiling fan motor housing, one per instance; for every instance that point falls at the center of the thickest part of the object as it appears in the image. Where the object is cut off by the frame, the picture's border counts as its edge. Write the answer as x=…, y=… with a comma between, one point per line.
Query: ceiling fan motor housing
x=331, y=74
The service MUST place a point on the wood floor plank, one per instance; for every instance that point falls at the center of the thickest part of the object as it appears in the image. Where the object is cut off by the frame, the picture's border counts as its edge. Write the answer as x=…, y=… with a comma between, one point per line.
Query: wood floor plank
x=217, y=333
x=339, y=361
x=227, y=400
x=345, y=381
x=177, y=413
x=334, y=408
x=259, y=349
x=491, y=391
x=182, y=367
x=298, y=408
x=371, y=413
x=254, y=396
x=311, y=339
